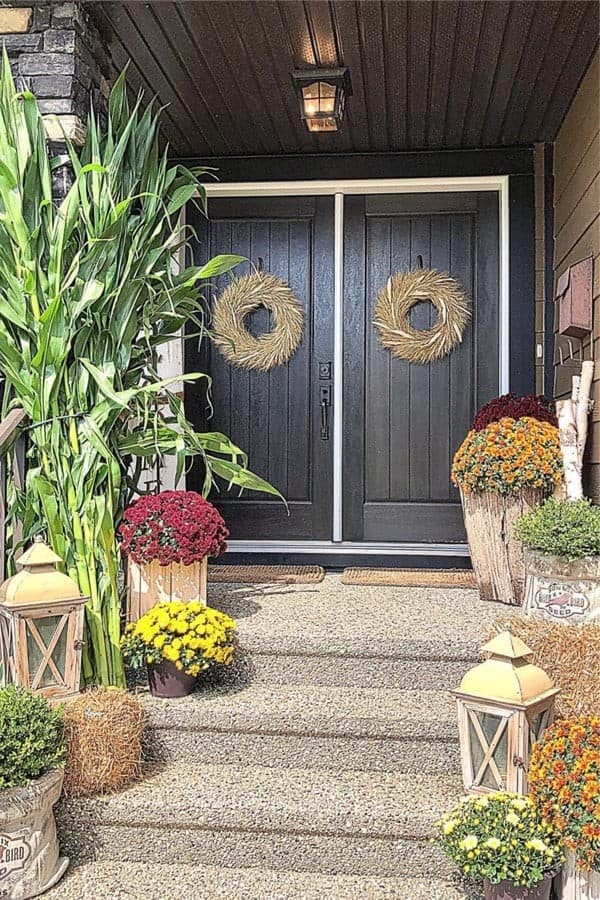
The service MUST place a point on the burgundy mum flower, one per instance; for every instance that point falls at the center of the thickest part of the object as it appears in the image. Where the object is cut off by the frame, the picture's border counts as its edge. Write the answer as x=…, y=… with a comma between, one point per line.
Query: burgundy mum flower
x=175, y=526
x=513, y=407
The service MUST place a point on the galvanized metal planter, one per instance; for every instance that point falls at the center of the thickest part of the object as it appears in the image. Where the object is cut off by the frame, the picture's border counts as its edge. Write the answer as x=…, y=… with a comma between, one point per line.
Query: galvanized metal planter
x=150, y=583
x=561, y=591
x=29, y=858
x=496, y=554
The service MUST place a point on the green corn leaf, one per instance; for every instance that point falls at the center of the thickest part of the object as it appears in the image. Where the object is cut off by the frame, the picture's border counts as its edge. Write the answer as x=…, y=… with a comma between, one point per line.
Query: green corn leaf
x=89, y=293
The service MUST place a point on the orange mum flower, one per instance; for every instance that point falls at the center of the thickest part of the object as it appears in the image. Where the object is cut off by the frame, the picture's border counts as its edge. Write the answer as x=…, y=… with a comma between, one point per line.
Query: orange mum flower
x=509, y=455
x=564, y=781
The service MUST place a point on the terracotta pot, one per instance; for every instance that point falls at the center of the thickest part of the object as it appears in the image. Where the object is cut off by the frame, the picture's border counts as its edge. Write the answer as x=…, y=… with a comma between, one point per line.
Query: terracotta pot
x=496, y=554
x=506, y=890
x=149, y=584
x=575, y=884
x=29, y=860
x=561, y=591
x=166, y=680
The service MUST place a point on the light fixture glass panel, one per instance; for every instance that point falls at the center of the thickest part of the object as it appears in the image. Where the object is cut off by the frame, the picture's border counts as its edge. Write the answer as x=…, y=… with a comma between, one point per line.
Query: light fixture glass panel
x=319, y=99
x=489, y=725
x=322, y=124
x=46, y=628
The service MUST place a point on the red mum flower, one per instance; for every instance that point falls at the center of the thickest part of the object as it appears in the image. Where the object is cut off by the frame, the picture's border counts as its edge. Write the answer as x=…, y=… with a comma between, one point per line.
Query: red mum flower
x=175, y=526
x=513, y=407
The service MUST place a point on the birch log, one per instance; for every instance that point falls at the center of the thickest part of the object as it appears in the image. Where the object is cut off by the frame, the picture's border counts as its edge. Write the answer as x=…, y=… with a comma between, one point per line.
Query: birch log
x=573, y=424
x=583, y=406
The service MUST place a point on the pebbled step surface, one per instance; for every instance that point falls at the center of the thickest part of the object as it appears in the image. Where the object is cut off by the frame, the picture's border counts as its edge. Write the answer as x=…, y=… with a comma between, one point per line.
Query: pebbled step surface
x=305, y=752
x=427, y=623
x=339, y=670
x=253, y=798
x=348, y=822
x=308, y=726
x=311, y=709
x=114, y=881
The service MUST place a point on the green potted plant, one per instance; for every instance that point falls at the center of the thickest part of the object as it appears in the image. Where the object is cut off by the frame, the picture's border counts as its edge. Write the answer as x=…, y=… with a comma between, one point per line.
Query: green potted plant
x=564, y=782
x=177, y=641
x=562, y=560
x=502, y=839
x=507, y=464
x=31, y=775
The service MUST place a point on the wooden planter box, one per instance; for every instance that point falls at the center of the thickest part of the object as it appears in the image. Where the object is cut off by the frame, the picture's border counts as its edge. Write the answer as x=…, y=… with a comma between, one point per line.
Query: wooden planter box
x=574, y=884
x=496, y=554
x=149, y=584
x=561, y=591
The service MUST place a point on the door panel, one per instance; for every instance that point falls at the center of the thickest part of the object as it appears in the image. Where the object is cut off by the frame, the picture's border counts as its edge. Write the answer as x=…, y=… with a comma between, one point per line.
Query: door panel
x=274, y=416
x=405, y=421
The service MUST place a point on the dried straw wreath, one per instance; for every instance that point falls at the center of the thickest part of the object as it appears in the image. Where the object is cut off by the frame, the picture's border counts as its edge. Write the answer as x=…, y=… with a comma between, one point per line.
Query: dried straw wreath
x=394, y=301
x=240, y=298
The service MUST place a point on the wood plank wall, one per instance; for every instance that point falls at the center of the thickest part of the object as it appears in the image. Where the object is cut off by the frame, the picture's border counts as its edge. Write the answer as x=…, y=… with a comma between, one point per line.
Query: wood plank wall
x=577, y=234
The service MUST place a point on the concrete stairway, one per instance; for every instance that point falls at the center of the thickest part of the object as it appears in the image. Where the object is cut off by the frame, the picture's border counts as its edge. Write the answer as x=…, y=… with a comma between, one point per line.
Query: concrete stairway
x=318, y=772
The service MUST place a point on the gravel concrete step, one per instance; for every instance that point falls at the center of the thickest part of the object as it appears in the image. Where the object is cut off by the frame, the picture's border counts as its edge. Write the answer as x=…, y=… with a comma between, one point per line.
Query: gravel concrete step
x=359, y=823
x=161, y=881
x=308, y=726
x=424, y=623
x=337, y=670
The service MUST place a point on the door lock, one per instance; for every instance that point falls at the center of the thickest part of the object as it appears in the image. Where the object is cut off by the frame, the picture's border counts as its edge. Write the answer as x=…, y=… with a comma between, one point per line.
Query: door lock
x=325, y=403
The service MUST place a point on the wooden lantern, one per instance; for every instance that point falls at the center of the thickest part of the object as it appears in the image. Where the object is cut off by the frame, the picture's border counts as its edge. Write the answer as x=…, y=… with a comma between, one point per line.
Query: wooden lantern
x=41, y=626
x=504, y=706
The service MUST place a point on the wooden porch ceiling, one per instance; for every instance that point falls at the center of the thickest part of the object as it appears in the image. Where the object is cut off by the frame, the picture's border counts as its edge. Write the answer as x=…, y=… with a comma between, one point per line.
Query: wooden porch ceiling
x=426, y=74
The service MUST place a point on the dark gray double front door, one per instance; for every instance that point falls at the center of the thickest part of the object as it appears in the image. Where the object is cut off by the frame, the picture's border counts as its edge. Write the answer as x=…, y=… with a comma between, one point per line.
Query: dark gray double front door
x=401, y=422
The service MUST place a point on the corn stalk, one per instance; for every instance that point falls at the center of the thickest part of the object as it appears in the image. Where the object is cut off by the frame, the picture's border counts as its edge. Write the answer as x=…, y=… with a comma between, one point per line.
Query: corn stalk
x=88, y=294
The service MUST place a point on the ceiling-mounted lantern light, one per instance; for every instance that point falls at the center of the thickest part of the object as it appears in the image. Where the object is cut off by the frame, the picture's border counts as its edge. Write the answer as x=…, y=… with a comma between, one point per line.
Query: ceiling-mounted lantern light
x=322, y=94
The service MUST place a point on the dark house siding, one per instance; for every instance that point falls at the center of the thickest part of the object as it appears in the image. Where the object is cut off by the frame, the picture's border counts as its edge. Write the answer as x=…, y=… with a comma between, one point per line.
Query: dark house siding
x=577, y=234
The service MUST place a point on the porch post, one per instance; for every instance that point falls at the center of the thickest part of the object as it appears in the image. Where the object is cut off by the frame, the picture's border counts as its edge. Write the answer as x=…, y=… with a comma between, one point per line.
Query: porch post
x=57, y=52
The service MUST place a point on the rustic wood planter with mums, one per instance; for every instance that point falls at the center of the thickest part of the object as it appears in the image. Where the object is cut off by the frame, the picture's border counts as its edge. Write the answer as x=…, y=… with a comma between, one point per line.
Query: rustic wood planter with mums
x=168, y=539
x=576, y=884
x=29, y=858
x=508, y=463
x=496, y=554
x=150, y=583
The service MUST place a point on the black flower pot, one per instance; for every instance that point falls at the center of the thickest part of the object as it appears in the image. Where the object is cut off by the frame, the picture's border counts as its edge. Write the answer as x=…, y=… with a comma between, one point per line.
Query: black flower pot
x=506, y=890
x=166, y=680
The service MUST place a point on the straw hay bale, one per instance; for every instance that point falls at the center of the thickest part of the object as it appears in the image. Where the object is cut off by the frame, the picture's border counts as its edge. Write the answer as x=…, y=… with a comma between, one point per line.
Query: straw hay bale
x=570, y=654
x=103, y=728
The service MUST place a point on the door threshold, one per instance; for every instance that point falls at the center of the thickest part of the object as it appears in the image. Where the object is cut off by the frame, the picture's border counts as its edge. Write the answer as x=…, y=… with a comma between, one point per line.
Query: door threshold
x=351, y=548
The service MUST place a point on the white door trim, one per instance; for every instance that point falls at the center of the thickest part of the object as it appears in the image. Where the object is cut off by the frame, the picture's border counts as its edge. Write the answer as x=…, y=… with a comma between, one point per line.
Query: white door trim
x=338, y=189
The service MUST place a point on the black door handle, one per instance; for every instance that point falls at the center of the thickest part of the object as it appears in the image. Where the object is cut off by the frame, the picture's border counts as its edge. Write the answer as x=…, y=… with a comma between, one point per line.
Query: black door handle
x=325, y=401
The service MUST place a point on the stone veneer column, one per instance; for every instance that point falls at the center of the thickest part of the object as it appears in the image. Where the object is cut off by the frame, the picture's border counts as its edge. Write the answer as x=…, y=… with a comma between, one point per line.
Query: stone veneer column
x=57, y=52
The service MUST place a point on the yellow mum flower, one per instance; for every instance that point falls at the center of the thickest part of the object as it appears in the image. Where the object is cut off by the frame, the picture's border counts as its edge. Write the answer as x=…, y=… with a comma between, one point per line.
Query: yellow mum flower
x=492, y=843
x=537, y=844
x=469, y=843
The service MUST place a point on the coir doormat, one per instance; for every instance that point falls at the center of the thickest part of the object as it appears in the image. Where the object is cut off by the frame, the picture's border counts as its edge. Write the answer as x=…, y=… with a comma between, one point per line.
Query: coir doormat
x=266, y=574
x=458, y=578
